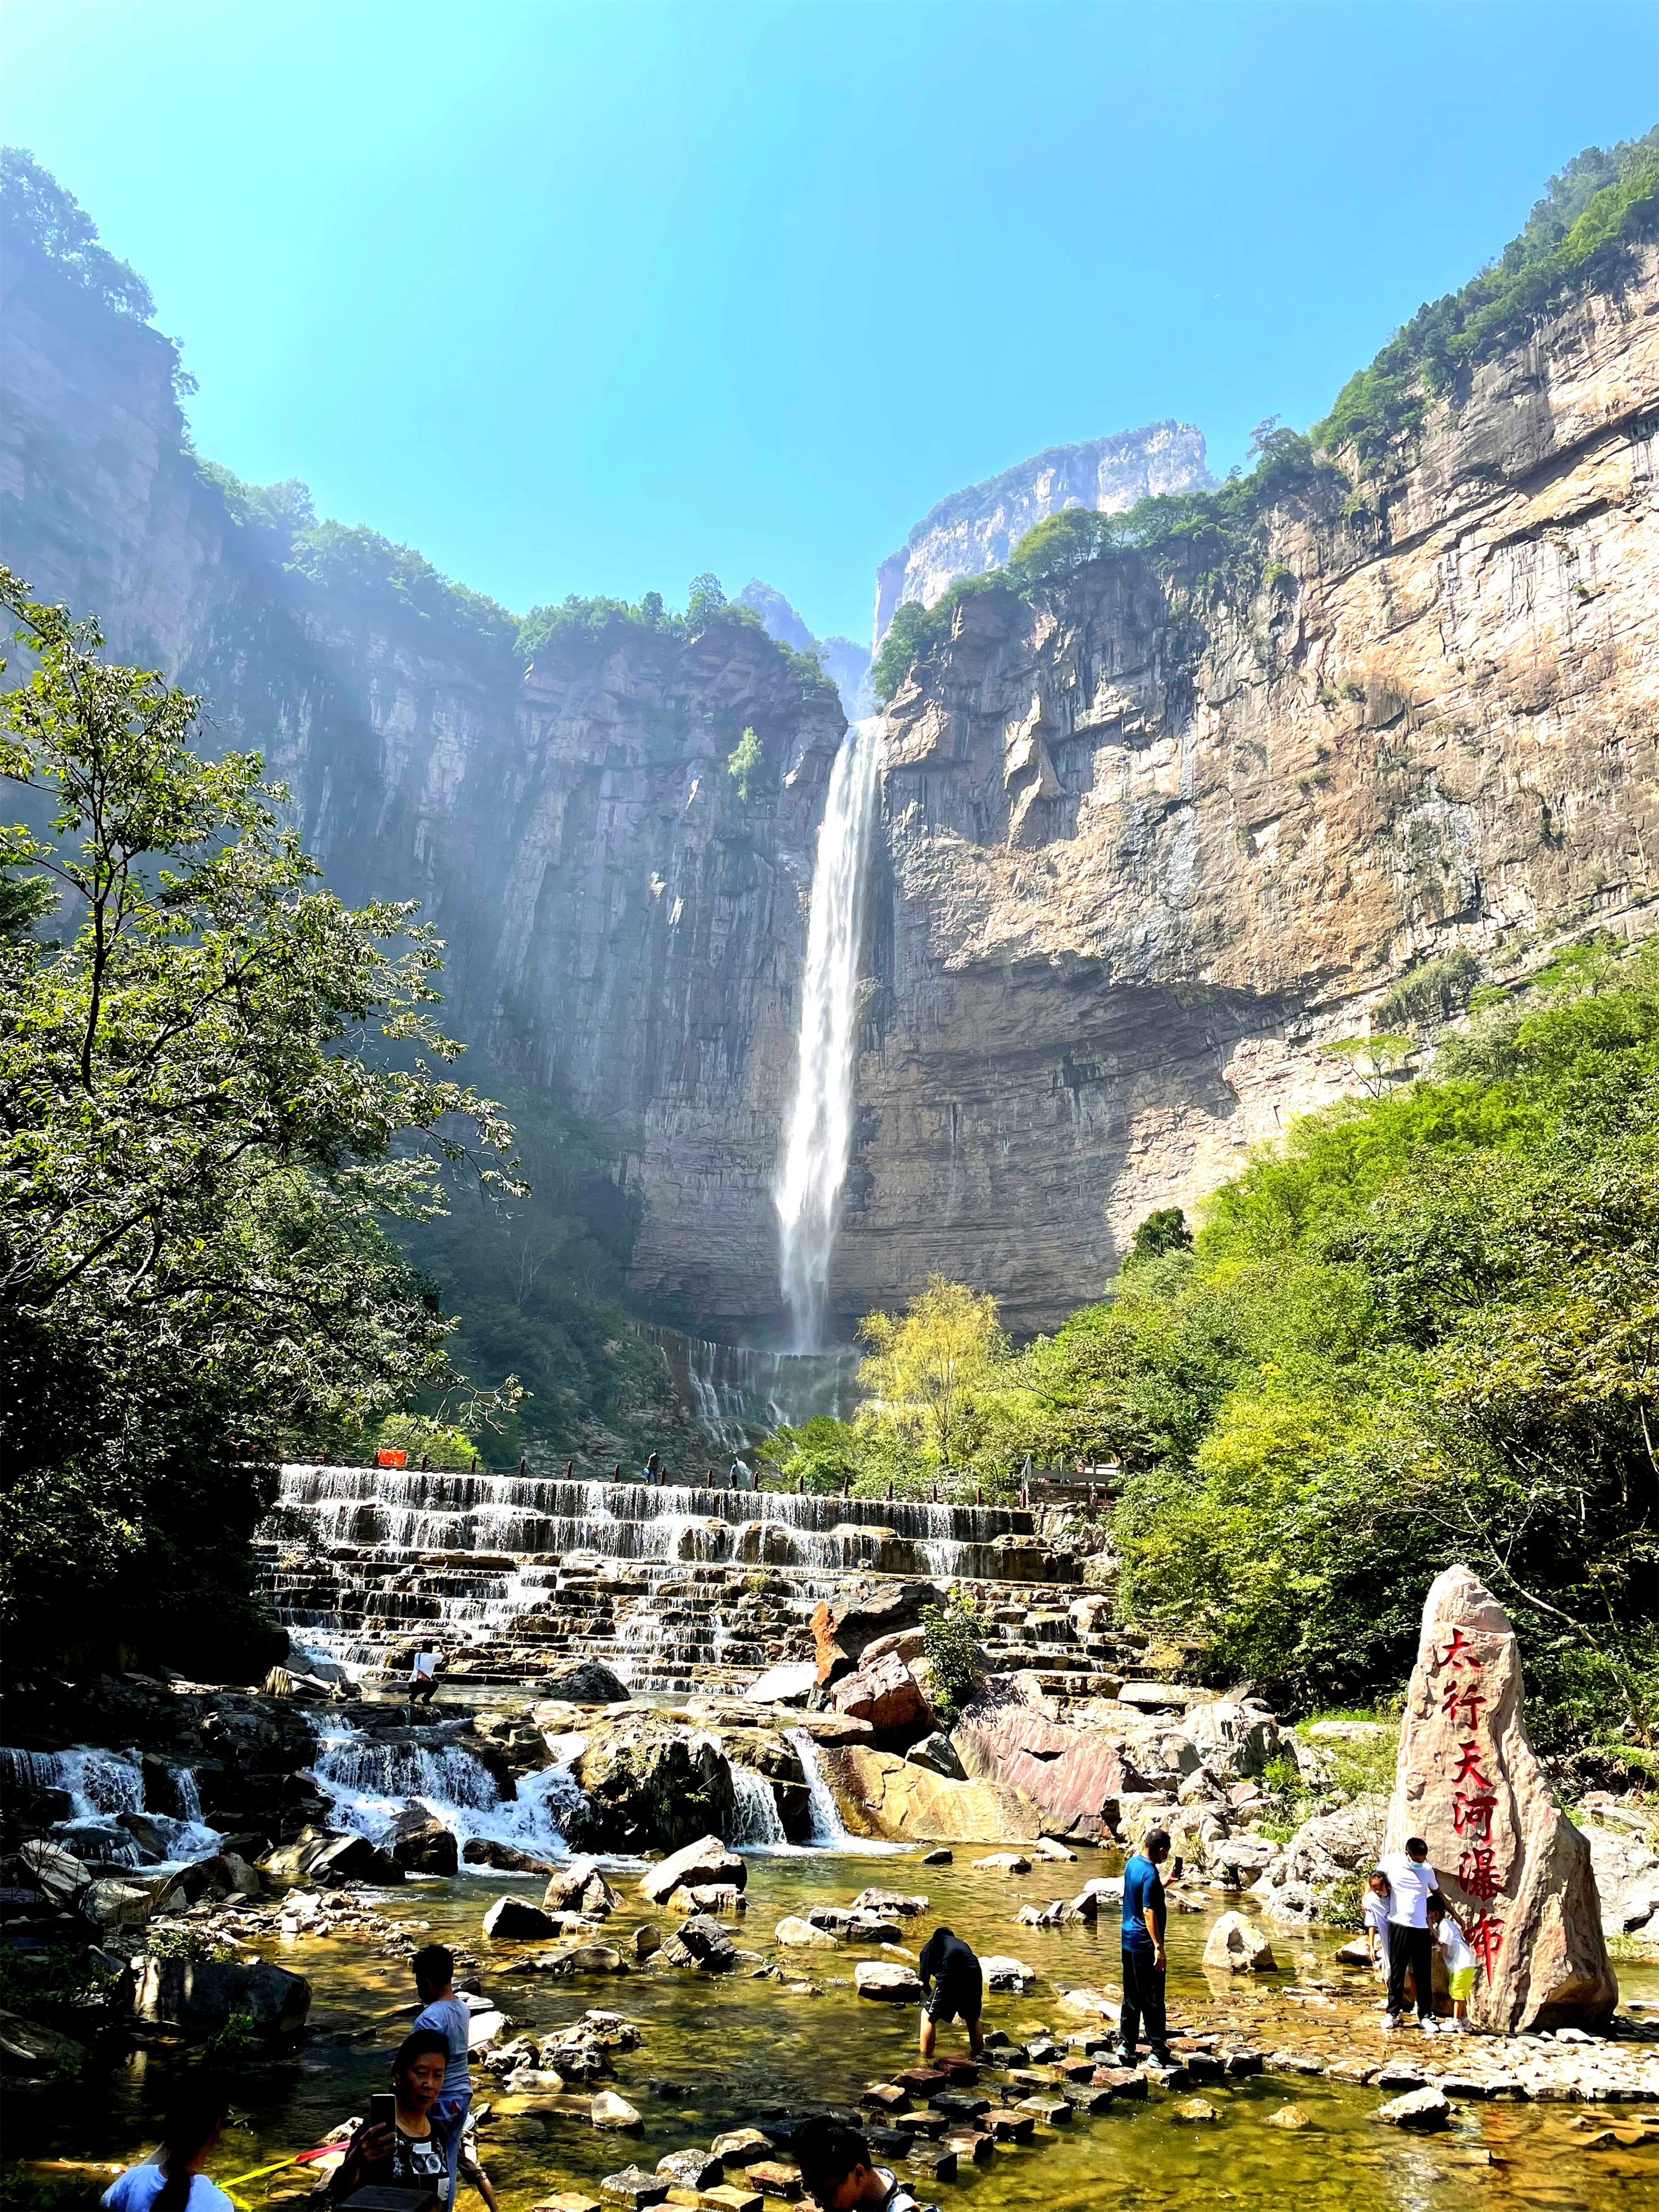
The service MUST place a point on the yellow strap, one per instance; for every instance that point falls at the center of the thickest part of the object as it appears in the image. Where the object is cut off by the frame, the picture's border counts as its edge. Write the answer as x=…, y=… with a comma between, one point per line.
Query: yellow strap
x=257, y=2174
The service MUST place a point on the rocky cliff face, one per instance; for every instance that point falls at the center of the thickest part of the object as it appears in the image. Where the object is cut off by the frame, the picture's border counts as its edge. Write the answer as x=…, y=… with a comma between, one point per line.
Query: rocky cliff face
x=1143, y=851
x=977, y=529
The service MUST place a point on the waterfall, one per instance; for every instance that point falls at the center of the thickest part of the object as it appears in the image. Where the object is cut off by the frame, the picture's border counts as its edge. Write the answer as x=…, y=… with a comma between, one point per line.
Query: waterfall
x=754, y=1810
x=101, y=1786
x=818, y=1138
x=369, y=1782
x=827, y=1832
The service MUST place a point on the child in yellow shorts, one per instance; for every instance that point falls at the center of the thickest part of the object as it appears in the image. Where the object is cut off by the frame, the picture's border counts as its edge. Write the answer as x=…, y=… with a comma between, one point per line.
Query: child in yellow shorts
x=1459, y=1963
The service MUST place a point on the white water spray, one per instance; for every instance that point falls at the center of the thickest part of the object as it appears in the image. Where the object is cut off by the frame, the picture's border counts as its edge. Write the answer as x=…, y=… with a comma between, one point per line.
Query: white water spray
x=819, y=1137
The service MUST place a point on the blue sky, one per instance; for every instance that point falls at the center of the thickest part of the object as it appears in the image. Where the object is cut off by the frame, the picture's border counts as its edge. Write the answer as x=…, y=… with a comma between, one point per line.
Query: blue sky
x=589, y=298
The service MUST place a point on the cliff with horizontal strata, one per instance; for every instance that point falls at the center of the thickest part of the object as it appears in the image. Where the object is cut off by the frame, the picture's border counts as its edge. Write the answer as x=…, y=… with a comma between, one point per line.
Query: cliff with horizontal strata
x=1147, y=845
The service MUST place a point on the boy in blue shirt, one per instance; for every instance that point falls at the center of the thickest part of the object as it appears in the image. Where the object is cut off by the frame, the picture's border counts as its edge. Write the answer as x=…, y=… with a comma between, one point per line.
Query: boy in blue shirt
x=1145, y=1917
x=445, y=2014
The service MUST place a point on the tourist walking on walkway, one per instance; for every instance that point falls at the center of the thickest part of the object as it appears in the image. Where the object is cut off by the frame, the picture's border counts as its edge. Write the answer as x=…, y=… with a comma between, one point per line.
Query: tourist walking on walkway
x=173, y=2178
x=1411, y=1883
x=1146, y=1914
x=444, y=2014
x=956, y=1990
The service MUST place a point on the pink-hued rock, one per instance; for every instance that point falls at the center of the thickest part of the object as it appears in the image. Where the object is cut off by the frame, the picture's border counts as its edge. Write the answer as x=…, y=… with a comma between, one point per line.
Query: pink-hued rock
x=885, y=1693
x=1517, y=1871
x=1072, y=1776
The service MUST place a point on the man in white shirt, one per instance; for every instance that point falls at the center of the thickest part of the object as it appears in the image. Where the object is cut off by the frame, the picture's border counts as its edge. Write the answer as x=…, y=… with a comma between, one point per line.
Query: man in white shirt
x=1413, y=1881
x=423, y=1677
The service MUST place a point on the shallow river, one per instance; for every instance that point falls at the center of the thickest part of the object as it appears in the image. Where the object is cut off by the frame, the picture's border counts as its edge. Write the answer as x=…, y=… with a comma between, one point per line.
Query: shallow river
x=718, y=2052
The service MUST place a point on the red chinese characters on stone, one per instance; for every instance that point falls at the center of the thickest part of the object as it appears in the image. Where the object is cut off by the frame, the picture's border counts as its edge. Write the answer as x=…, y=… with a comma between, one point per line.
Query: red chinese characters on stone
x=1477, y=1877
x=1485, y=1939
x=1460, y=1652
x=1469, y=1756
x=1472, y=1815
x=1461, y=1704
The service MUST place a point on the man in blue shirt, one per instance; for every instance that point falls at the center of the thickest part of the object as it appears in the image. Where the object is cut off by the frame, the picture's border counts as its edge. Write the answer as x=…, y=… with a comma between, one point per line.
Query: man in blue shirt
x=446, y=2014
x=1144, y=1915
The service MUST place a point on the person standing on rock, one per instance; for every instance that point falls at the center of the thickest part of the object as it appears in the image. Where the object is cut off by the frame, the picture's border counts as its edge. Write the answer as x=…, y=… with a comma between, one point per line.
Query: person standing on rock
x=1146, y=1916
x=956, y=1990
x=422, y=1676
x=442, y=2013
x=1411, y=1883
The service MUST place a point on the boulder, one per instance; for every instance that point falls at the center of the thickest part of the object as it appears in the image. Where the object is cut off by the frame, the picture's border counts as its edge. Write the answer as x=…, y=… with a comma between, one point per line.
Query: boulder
x=939, y=1755
x=1289, y=2116
x=33, y=2052
x=886, y=1982
x=611, y=2111
x=422, y=1844
x=113, y=1904
x=1234, y=1946
x=650, y=1787
x=322, y=1860
x=1418, y=2108
x=1517, y=1872
x=590, y=1683
x=1233, y=1741
x=505, y=1858
x=904, y=1903
x=234, y=1877
x=59, y=1876
x=691, y=2169
x=200, y=1995
x=801, y=1934
x=885, y=1693
x=906, y=1643
x=844, y=1628
x=916, y=1805
x=701, y=1943
x=1001, y=1973
x=580, y=1887
x=1074, y=1776
x=646, y=1939
x=708, y=1860
x=1193, y=2110
x=740, y=2146
x=788, y=1684
x=515, y=1920
x=1004, y=1863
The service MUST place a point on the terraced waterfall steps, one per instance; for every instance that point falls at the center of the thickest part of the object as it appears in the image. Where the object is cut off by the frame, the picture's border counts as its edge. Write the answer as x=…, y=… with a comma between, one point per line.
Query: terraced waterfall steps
x=676, y=1588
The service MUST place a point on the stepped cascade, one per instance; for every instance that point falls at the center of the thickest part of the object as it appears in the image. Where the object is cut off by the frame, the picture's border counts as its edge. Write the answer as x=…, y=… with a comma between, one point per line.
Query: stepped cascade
x=674, y=1587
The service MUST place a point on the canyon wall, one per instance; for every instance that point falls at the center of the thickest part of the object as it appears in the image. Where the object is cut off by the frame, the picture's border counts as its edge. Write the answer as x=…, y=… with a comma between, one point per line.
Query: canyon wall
x=1145, y=851
x=978, y=528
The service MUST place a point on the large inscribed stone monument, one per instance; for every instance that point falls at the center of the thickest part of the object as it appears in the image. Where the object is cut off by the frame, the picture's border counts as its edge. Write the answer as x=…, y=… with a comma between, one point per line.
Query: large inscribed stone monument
x=1515, y=1869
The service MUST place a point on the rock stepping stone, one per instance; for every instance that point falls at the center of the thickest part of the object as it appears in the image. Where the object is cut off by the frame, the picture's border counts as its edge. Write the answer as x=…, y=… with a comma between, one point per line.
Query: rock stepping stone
x=1053, y=2111
x=921, y=2123
x=973, y=2145
x=1007, y=2126
x=1424, y=2108
x=922, y=2081
x=883, y=2096
x=567, y=2200
x=635, y=2188
x=960, y=2104
x=1289, y=2116
x=691, y=2169
x=774, y=2178
x=609, y=2110
x=937, y=2159
x=964, y=2072
x=887, y=2142
x=1194, y=2112
x=722, y=2196
x=886, y=1983
x=1084, y=2097
x=740, y=2146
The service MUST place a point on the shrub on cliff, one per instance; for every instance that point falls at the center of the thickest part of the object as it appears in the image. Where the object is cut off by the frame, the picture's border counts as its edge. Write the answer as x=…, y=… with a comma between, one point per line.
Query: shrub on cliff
x=196, y=1152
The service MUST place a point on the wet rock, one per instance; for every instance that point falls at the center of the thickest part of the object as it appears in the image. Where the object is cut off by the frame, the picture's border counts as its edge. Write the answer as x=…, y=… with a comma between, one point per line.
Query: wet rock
x=567, y=2200
x=1234, y=1946
x=235, y=1877
x=614, y=2113
x=422, y=1844
x=60, y=1877
x=701, y=1943
x=892, y=1900
x=886, y=1982
x=1421, y=2108
x=515, y=1920
x=739, y=2146
x=1004, y=1863
x=710, y=1897
x=788, y=1684
x=329, y=1861
x=940, y=1857
x=801, y=1934
x=505, y=1858
x=580, y=1887
x=589, y=1683
x=1076, y=1776
x=646, y=1939
x=939, y=1755
x=1193, y=2110
x=649, y=1786
x=1004, y=1974
x=33, y=2052
x=200, y=1995
x=1289, y=2116
x=708, y=1860
x=777, y=2177
x=691, y=2169
x=112, y=1903
x=1517, y=1872
x=635, y=2188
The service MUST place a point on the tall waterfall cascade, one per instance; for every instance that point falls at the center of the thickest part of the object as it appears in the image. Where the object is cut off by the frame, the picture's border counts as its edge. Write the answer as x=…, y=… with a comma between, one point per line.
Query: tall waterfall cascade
x=818, y=1134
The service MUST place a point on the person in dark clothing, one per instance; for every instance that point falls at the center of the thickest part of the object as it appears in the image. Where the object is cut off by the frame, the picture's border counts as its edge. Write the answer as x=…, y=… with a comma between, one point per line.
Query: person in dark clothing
x=955, y=1989
x=838, y=2174
x=1145, y=1915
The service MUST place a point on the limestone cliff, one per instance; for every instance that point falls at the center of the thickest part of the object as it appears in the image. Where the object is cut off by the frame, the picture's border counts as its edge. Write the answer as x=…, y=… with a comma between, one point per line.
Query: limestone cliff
x=977, y=529
x=1145, y=848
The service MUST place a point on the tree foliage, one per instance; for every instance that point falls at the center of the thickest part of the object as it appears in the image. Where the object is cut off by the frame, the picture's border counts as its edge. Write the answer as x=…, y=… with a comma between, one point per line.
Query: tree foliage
x=214, y=1086
x=39, y=220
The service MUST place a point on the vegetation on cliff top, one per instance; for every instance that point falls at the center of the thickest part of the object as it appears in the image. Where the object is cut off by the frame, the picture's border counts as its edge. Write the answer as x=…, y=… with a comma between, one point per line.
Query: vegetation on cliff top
x=198, y=1153
x=1579, y=235
x=1425, y=1327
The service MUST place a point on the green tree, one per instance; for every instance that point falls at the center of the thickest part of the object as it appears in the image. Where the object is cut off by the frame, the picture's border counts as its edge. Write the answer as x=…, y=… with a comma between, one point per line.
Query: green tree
x=926, y=1366
x=198, y=1147
x=741, y=762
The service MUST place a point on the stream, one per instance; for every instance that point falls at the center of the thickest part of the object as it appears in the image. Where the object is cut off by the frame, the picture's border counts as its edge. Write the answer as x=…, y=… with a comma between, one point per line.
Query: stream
x=718, y=2052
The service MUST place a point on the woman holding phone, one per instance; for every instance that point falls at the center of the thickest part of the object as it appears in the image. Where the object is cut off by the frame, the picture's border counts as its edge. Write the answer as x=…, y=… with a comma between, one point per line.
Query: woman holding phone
x=399, y=2148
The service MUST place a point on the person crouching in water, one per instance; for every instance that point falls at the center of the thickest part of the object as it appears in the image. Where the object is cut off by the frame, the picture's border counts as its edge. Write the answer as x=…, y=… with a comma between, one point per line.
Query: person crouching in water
x=1145, y=1914
x=1453, y=1948
x=956, y=1990
x=838, y=2174
x=408, y=2152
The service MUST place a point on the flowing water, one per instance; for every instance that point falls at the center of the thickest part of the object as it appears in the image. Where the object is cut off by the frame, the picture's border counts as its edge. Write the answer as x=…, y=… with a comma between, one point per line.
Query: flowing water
x=818, y=1136
x=721, y=2052
x=101, y=1786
